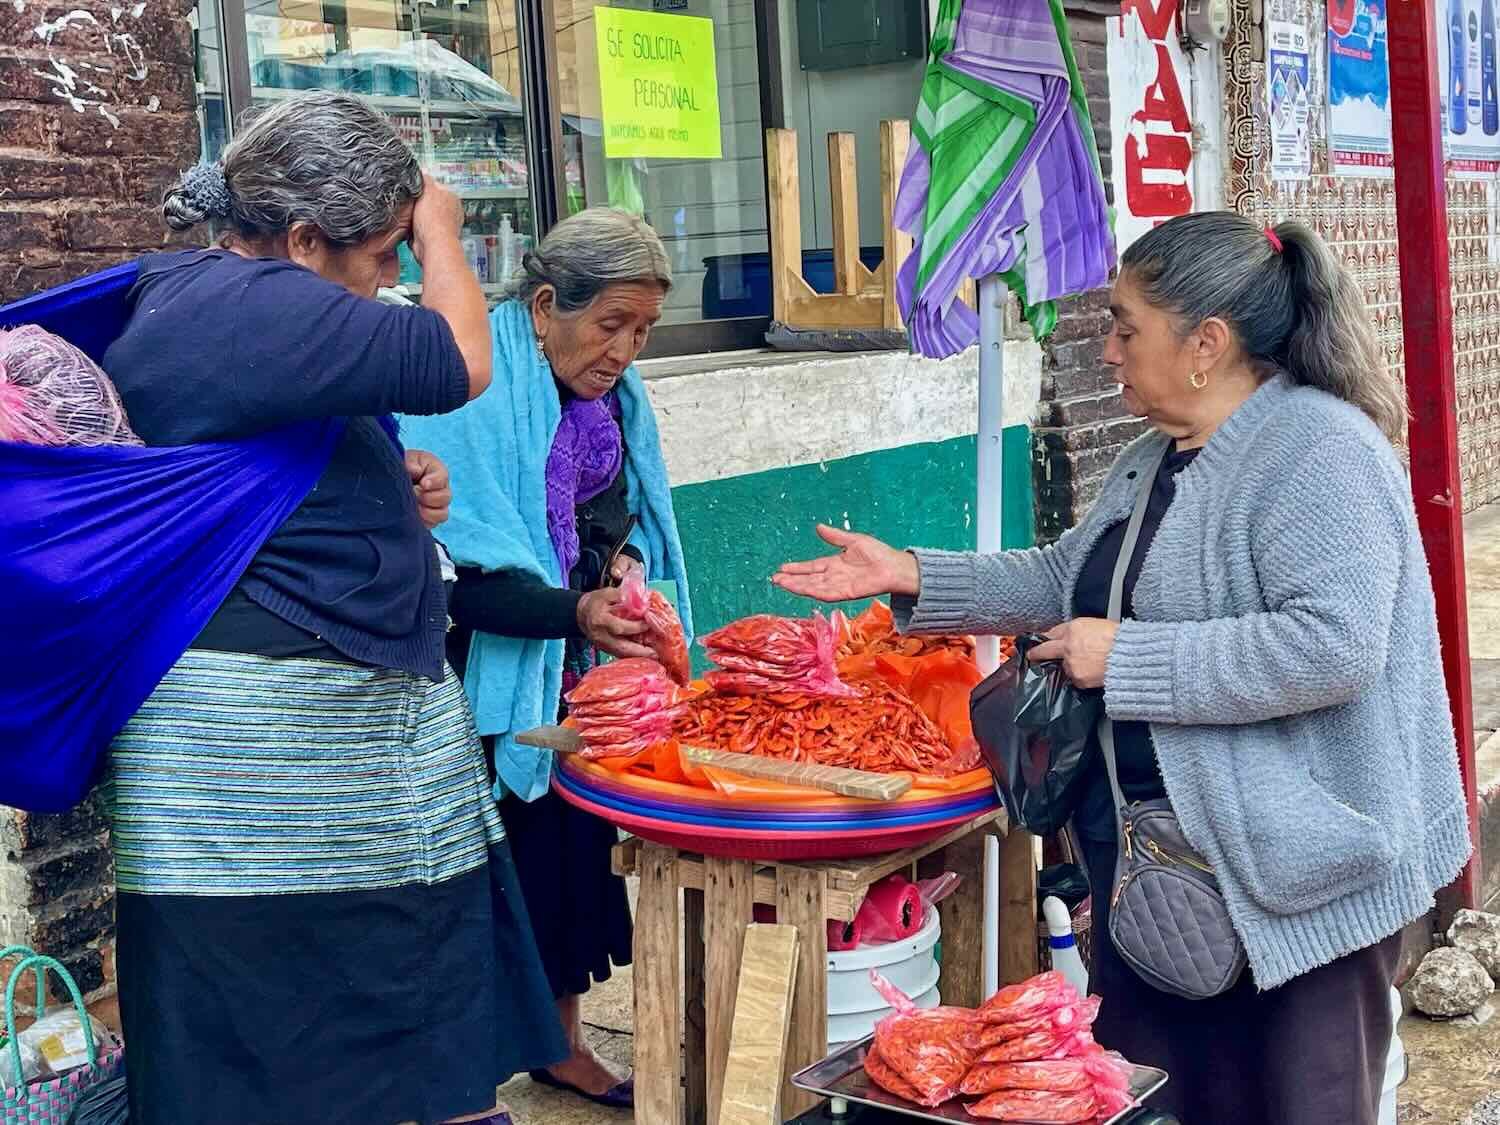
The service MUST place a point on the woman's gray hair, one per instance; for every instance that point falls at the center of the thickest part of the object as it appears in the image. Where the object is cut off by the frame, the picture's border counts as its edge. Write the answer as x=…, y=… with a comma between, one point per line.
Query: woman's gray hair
x=590, y=251
x=322, y=158
x=1295, y=309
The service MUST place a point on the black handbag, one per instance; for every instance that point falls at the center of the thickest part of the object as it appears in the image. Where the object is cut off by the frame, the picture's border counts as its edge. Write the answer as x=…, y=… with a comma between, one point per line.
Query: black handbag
x=1033, y=729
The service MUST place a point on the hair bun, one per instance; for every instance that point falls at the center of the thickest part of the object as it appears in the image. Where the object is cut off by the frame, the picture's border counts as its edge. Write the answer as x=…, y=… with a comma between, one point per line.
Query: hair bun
x=205, y=190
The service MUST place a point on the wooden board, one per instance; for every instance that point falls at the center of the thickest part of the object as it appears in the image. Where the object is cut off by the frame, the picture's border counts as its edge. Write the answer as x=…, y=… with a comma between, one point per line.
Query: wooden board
x=961, y=982
x=757, y=1047
x=799, y=903
x=843, y=192
x=695, y=1048
x=560, y=740
x=895, y=140
x=863, y=784
x=863, y=298
x=1018, y=946
x=786, y=219
x=847, y=880
x=728, y=909
x=658, y=989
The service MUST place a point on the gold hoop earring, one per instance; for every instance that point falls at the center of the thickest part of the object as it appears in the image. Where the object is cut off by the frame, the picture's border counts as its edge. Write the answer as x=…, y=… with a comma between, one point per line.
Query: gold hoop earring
x=1199, y=380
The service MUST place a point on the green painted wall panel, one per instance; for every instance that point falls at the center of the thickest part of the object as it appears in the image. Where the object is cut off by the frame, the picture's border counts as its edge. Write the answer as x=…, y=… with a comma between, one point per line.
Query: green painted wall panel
x=737, y=531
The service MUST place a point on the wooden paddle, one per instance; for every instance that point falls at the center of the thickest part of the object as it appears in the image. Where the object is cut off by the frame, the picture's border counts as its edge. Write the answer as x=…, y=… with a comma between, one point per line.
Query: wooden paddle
x=863, y=784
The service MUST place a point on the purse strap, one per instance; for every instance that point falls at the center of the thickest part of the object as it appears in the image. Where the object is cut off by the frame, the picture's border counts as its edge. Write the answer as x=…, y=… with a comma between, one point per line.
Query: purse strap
x=1116, y=604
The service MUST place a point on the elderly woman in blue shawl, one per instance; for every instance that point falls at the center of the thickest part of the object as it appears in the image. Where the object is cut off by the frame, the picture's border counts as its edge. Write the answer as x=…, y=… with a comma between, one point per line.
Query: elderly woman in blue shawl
x=559, y=488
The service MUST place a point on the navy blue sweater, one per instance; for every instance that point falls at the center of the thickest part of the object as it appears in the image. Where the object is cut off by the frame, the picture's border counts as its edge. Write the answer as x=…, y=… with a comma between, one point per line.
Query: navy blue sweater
x=219, y=347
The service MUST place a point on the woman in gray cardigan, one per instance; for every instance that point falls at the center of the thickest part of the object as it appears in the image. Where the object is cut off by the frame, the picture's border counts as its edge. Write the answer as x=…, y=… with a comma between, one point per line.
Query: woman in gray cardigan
x=1276, y=672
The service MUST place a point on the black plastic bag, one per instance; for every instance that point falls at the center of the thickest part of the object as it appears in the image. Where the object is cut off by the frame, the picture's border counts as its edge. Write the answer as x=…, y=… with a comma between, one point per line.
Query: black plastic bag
x=1064, y=881
x=1033, y=729
x=108, y=1103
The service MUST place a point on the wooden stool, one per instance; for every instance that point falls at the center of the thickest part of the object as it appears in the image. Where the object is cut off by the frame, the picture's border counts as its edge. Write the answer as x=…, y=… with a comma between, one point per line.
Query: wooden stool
x=691, y=956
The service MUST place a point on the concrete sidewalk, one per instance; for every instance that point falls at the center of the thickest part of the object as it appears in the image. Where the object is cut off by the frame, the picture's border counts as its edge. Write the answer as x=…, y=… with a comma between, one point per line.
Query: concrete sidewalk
x=1482, y=548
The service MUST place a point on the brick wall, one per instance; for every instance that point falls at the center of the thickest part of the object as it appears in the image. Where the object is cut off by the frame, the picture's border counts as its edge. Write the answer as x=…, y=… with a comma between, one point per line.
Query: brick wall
x=1081, y=422
x=57, y=896
x=96, y=119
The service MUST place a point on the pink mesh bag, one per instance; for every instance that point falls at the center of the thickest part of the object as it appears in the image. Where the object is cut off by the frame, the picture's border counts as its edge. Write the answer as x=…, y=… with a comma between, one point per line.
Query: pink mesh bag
x=53, y=394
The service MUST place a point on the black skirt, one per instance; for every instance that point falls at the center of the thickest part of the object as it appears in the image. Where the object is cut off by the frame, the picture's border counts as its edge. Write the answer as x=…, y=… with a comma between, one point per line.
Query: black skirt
x=578, y=907
x=1312, y=1052
x=318, y=919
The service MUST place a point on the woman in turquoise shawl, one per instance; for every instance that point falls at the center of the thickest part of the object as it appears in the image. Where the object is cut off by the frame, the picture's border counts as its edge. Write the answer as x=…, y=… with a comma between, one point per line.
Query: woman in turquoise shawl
x=559, y=488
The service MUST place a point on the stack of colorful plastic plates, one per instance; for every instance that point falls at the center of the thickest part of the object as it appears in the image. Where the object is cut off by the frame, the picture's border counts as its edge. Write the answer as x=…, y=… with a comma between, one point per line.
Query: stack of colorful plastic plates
x=713, y=823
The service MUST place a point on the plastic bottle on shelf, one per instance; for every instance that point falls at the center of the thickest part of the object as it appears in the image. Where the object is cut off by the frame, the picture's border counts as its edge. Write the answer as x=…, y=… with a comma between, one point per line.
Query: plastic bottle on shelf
x=507, y=250
x=1065, y=956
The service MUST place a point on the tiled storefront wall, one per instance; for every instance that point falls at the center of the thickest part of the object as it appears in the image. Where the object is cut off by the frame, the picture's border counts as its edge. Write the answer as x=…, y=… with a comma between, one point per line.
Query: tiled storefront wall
x=1358, y=217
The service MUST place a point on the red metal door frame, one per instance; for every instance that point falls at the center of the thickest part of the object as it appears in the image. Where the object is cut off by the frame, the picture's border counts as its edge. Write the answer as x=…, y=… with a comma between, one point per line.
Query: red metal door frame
x=1427, y=330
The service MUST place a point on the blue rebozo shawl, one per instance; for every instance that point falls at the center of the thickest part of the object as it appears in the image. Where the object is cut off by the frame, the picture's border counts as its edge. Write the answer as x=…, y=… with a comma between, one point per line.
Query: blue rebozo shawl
x=113, y=558
x=496, y=449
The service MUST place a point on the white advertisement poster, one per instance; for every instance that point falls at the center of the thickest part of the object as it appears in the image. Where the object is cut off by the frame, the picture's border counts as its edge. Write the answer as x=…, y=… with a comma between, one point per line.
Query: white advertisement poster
x=1291, y=110
x=1151, y=133
x=1466, y=38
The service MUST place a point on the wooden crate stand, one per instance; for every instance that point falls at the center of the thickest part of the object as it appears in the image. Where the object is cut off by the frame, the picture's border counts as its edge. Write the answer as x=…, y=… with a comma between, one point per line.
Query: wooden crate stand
x=687, y=959
x=862, y=298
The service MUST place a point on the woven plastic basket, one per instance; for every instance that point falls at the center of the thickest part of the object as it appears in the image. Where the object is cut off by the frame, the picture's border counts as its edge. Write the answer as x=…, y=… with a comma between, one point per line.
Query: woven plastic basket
x=49, y=1102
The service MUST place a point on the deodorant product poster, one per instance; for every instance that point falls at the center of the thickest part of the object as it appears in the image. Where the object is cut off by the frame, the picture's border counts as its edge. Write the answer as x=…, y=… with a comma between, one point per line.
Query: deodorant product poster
x=1359, y=89
x=1467, y=41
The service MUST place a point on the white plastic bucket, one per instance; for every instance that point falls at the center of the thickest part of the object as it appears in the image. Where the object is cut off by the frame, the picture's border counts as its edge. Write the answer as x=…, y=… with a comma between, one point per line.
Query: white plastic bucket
x=854, y=1007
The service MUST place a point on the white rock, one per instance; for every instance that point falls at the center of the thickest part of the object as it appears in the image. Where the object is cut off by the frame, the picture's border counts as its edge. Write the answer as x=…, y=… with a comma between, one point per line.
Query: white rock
x=1478, y=933
x=1449, y=982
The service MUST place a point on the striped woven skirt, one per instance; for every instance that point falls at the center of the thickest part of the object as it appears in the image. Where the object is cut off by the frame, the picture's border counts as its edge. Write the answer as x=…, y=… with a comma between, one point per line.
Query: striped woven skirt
x=318, y=917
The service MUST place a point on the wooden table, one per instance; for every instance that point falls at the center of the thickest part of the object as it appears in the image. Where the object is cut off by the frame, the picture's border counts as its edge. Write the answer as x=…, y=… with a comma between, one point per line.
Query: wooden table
x=687, y=959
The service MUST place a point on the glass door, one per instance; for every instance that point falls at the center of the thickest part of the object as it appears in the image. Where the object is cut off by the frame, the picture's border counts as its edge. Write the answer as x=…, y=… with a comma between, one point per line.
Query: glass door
x=447, y=73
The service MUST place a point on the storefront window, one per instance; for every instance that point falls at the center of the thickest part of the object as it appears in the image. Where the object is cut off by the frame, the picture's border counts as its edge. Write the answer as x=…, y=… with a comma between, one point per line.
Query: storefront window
x=666, y=123
x=655, y=106
x=208, y=64
x=446, y=73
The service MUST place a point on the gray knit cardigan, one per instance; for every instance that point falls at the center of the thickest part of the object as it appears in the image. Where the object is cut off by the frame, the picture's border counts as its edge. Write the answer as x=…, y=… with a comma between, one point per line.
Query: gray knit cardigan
x=1285, y=653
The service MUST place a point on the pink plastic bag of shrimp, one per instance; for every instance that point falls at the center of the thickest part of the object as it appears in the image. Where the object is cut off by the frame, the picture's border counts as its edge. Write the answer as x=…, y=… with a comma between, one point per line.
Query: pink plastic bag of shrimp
x=1033, y=997
x=928, y=1048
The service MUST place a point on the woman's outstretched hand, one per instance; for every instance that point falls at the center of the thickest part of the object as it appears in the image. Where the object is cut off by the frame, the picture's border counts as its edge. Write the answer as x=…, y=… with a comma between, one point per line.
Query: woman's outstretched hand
x=864, y=568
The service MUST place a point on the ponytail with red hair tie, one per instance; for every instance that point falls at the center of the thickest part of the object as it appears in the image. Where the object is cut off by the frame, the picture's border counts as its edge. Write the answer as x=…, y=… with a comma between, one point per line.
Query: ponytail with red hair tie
x=1274, y=239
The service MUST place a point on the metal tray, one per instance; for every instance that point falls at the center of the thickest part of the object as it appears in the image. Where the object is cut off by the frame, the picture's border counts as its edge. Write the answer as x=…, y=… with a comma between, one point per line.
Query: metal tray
x=842, y=1075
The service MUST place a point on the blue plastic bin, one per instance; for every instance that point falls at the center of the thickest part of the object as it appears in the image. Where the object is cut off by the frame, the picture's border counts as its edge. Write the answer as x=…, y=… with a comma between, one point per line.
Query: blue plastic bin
x=740, y=284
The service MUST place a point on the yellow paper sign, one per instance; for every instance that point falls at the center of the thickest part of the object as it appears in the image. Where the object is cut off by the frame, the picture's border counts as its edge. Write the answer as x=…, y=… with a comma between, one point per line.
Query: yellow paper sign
x=658, y=84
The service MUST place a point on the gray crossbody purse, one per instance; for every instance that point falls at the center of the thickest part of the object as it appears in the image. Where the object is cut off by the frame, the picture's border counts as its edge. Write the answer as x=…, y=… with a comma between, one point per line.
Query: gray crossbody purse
x=1167, y=916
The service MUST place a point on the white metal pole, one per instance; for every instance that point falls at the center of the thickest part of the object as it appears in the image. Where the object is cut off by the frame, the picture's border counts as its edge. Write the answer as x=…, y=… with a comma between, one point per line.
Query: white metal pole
x=991, y=471
x=988, y=513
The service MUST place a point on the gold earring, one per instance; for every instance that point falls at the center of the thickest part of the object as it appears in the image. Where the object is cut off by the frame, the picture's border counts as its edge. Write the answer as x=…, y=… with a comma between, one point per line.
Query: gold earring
x=1199, y=379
